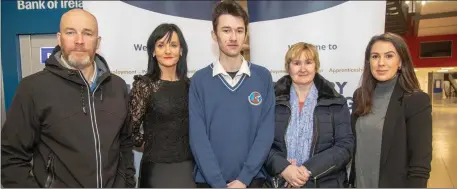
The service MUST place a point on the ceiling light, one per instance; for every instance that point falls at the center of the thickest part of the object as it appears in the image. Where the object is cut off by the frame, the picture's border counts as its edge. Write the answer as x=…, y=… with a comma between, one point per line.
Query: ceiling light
x=407, y=2
x=423, y=2
x=415, y=70
x=442, y=71
x=447, y=68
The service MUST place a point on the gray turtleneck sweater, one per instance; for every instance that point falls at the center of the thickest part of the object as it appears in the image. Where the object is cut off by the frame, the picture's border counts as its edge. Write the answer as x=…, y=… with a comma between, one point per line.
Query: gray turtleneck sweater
x=369, y=136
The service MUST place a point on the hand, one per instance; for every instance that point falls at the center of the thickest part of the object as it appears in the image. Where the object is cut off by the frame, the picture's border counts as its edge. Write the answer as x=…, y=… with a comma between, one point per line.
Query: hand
x=287, y=185
x=236, y=184
x=303, y=169
x=294, y=175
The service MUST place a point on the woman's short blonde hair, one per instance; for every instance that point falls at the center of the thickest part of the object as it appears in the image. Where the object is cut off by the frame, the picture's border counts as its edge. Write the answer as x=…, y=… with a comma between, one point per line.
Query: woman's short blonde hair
x=299, y=49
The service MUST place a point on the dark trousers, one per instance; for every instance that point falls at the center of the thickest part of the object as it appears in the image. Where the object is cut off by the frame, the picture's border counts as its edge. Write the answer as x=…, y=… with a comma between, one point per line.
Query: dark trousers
x=255, y=183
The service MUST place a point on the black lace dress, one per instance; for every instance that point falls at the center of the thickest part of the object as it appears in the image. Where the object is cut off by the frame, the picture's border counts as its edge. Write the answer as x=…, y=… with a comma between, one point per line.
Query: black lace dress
x=159, y=118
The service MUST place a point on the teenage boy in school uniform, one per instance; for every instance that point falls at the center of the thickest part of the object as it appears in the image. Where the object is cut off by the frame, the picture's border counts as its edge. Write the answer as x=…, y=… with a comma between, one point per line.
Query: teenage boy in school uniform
x=231, y=105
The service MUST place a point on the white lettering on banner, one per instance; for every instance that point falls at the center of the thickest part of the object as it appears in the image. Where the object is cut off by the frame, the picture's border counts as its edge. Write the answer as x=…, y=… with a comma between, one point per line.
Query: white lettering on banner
x=20, y=5
x=52, y=4
x=30, y=5
x=39, y=5
x=71, y=4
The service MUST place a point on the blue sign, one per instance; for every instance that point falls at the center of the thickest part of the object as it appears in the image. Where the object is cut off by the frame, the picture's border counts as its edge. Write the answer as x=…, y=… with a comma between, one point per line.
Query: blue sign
x=45, y=52
x=437, y=86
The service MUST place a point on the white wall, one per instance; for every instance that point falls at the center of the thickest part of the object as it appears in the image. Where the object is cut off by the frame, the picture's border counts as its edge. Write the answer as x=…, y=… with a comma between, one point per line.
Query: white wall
x=422, y=76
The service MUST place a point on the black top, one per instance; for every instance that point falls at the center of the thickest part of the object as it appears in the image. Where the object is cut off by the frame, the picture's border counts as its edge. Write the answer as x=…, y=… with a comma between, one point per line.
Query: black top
x=232, y=74
x=165, y=120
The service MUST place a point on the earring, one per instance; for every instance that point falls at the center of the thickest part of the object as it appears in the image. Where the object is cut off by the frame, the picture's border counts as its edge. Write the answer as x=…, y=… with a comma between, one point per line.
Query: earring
x=153, y=54
x=180, y=53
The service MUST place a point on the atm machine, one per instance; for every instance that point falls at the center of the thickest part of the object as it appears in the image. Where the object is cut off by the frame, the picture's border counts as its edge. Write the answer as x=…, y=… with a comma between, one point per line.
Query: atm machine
x=34, y=50
x=31, y=49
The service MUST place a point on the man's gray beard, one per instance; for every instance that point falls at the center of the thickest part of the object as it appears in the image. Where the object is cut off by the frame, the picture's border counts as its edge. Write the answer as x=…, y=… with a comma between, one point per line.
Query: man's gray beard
x=78, y=64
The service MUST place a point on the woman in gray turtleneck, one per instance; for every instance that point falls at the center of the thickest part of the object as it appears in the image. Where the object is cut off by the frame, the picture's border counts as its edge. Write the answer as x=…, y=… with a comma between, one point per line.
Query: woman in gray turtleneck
x=391, y=120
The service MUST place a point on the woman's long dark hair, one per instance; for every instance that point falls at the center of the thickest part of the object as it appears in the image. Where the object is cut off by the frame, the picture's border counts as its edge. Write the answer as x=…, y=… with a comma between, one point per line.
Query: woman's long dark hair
x=406, y=76
x=153, y=66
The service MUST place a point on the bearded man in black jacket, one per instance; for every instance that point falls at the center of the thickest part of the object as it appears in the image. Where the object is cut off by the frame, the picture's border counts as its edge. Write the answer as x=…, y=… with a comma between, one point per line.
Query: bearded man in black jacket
x=69, y=119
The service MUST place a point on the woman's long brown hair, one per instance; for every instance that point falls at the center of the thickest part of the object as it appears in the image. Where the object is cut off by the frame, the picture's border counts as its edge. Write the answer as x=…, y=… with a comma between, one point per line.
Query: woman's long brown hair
x=406, y=76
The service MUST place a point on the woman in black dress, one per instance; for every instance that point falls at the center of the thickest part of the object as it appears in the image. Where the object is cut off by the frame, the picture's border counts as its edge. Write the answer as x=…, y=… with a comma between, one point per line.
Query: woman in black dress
x=158, y=112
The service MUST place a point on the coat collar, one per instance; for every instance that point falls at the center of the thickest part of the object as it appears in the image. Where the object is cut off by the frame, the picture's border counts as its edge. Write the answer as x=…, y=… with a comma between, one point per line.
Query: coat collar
x=327, y=94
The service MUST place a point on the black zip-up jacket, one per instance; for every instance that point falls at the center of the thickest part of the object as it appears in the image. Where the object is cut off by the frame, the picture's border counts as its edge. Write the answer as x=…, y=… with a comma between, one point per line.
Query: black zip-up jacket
x=59, y=134
x=332, y=144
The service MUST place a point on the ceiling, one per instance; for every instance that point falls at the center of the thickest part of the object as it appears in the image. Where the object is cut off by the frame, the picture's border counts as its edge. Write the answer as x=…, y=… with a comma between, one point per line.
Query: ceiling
x=428, y=18
x=438, y=18
x=436, y=69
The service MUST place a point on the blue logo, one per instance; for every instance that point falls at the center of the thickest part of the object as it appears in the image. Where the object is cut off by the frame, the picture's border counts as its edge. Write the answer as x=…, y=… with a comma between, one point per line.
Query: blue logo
x=255, y=98
x=45, y=52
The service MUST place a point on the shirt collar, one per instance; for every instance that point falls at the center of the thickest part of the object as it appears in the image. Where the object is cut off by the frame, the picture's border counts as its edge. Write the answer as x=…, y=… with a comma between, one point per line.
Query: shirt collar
x=244, y=68
x=66, y=65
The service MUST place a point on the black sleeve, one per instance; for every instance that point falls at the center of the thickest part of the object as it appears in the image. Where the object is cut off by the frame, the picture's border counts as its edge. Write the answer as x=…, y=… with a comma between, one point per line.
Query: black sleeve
x=276, y=161
x=138, y=104
x=20, y=134
x=337, y=157
x=419, y=135
x=352, y=173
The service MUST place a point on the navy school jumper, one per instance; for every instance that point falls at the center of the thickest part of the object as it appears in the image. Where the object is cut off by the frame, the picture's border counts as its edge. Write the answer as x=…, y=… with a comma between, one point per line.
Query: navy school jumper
x=231, y=128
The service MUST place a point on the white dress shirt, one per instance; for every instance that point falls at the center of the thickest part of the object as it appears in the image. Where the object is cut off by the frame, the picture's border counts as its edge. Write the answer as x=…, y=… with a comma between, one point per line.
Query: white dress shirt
x=218, y=69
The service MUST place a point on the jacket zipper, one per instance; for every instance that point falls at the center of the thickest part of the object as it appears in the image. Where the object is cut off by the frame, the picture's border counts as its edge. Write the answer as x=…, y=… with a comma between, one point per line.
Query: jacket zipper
x=315, y=134
x=98, y=137
x=314, y=141
x=50, y=171
x=333, y=126
x=317, y=176
x=95, y=132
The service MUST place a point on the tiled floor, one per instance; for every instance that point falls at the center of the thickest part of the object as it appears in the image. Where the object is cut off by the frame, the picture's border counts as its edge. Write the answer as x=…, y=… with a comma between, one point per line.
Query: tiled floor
x=444, y=163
